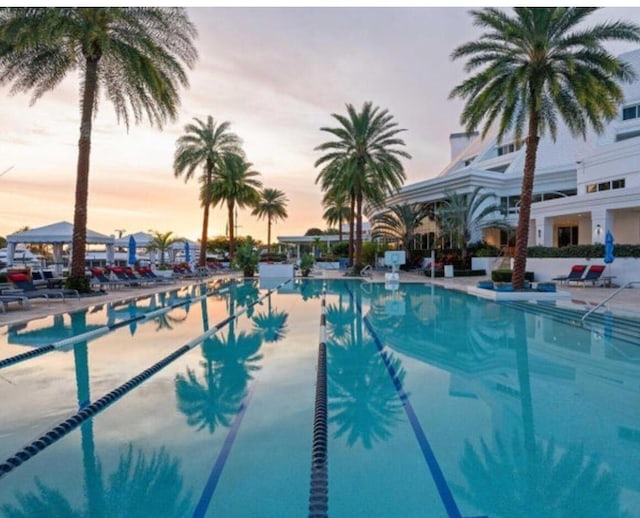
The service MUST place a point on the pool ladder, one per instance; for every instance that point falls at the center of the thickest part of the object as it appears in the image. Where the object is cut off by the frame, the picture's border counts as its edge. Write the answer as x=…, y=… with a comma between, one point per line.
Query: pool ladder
x=598, y=306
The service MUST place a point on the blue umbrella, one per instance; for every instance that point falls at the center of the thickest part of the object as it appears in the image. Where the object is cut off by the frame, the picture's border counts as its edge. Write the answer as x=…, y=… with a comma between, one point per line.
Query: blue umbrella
x=132, y=250
x=608, y=248
x=187, y=252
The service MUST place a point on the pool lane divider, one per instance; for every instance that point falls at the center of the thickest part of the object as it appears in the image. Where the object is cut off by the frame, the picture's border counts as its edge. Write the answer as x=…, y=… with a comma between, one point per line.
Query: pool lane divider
x=68, y=425
x=319, y=486
x=434, y=467
x=95, y=333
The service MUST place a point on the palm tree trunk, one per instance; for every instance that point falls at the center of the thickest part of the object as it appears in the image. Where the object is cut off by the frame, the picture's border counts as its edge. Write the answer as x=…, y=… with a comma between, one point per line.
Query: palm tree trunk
x=340, y=227
x=358, y=240
x=268, y=235
x=79, y=240
x=522, y=232
x=231, y=230
x=352, y=215
x=202, y=261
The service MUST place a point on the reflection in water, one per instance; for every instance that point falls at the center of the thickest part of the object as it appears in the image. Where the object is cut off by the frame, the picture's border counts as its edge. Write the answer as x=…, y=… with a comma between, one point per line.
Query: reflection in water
x=228, y=363
x=363, y=403
x=141, y=486
x=513, y=481
x=533, y=478
x=273, y=324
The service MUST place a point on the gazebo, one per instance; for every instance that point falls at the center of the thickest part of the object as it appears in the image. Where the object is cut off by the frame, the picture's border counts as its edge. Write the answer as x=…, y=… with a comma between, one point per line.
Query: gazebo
x=57, y=234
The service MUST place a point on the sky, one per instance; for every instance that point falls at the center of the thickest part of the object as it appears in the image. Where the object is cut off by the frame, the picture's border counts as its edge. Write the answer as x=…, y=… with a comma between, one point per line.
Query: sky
x=276, y=74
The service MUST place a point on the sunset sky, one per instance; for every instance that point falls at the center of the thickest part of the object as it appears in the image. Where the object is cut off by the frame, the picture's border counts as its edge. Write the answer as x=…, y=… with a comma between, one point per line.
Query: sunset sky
x=277, y=74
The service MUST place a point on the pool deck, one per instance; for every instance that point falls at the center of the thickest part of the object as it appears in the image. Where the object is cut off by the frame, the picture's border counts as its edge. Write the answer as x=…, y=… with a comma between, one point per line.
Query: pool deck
x=627, y=300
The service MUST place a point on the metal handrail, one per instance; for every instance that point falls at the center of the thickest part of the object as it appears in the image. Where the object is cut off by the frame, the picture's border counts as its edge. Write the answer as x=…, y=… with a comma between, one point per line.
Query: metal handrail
x=598, y=306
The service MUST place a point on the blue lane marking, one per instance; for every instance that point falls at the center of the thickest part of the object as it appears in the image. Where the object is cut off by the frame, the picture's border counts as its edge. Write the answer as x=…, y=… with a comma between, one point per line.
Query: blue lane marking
x=436, y=472
x=214, y=477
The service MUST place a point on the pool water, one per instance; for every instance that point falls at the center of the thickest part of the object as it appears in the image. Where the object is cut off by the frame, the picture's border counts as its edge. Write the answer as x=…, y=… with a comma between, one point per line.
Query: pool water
x=439, y=405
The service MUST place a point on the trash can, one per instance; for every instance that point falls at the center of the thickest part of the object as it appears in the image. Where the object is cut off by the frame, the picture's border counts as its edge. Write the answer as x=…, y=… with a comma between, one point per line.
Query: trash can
x=343, y=263
x=448, y=270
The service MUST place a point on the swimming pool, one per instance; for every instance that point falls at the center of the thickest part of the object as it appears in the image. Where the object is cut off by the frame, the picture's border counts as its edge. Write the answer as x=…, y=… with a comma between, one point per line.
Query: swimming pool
x=438, y=405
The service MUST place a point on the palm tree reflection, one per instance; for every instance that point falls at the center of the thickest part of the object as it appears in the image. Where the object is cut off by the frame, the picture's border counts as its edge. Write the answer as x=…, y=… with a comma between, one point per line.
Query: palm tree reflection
x=228, y=363
x=505, y=483
x=141, y=486
x=363, y=403
x=272, y=325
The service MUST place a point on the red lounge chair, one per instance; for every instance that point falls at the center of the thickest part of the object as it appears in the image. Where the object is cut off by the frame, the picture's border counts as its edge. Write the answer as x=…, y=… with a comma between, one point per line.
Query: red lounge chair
x=575, y=275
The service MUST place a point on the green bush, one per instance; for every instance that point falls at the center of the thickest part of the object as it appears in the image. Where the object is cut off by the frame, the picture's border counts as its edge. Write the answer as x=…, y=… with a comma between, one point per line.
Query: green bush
x=505, y=276
x=586, y=251
x=340, y=249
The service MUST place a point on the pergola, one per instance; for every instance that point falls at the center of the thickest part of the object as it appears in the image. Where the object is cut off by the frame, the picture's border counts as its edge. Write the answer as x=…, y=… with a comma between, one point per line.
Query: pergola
x=56, y=234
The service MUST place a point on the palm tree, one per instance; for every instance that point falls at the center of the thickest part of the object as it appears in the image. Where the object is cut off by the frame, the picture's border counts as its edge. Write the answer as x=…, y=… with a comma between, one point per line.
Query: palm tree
x=204, y=144
x=161, y=241
x=534, y=65
x=464, y=214
x=236, y=185
x=135, y=55
x=400, y=222
x=363, y=160
x=272, y=205
x=336, y=210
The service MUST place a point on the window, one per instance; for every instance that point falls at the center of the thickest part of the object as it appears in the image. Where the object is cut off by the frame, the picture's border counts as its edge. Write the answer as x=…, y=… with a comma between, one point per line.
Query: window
x=567, y=236
x=626, y=136
x=509, y=148
x=605, y=186
x=630, y=112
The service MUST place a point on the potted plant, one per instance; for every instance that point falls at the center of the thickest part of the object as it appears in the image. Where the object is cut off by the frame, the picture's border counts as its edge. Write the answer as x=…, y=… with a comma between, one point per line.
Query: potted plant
x=306, y=263
x=246, y=257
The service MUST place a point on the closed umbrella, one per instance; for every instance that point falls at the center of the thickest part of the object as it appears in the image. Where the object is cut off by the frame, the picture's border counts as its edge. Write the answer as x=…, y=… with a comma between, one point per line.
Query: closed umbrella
x=608, y=248
x=132, y=250
x=187, y=252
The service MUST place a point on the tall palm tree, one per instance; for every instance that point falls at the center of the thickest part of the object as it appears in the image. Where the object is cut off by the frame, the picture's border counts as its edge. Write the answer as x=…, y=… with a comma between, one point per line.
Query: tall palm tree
x=272, y=205
x=204, y=145
x=400, y=222
x=237, y=186
x=135, y=55
x=532, y=66
x=464, y=214
x=336, y=210
x=362, y=161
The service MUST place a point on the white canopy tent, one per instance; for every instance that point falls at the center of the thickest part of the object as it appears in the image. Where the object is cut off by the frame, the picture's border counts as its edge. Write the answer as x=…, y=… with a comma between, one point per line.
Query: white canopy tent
x=57, y=234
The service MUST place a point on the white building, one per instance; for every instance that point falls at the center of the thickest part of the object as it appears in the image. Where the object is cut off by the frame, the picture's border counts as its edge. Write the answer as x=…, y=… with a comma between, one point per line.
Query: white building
x=582, y=188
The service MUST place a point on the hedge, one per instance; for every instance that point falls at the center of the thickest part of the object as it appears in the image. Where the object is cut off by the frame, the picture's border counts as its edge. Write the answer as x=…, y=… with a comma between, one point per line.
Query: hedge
x=586, y=251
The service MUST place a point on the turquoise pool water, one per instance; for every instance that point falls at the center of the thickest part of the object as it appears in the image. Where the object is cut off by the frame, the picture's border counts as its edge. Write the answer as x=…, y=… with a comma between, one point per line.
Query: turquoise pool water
x=439, y=405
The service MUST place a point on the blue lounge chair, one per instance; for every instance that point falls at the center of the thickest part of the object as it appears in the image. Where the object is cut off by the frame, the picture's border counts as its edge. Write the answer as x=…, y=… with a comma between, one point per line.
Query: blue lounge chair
x=29, y=290
x=593, y=274
x=576, y=273
x=5, y=299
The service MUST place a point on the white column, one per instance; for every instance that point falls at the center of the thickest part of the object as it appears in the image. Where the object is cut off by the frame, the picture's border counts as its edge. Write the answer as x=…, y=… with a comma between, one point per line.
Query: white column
x=11, y=250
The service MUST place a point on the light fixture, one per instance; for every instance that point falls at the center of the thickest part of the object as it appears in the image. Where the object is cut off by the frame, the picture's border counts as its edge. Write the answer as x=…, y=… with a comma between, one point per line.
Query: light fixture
x=598, y=229
x=539, y=233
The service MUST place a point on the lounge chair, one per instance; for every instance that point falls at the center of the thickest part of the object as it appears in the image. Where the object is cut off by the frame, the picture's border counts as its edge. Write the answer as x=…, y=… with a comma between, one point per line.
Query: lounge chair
x=29, y=290
x=593, y=274
x=21, y=299
x=103, y=281
x=575, y=275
